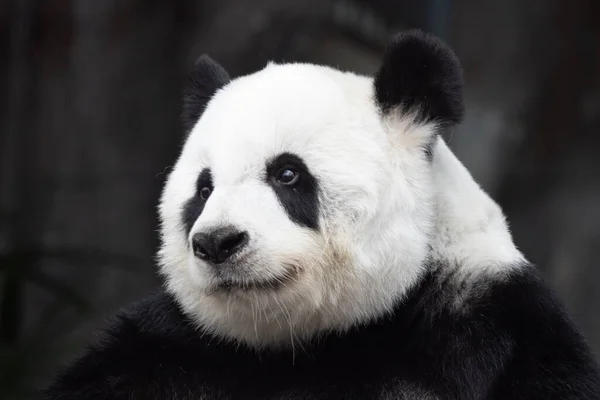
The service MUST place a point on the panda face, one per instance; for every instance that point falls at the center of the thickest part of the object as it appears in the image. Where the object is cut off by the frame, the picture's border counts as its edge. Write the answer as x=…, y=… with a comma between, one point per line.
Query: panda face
x=301, y=201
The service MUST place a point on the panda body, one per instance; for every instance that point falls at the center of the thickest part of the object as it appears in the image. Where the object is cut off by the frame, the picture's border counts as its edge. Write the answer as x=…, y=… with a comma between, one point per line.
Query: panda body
x=321, y=241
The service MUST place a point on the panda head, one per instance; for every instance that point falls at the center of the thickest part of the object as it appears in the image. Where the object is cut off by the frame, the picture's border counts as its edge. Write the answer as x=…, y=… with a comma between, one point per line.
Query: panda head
x=302, y=201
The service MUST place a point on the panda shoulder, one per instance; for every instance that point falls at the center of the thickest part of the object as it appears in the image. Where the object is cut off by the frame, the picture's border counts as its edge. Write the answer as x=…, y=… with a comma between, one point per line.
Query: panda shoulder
x=518, y=301
x=514, y=322
x=157, y=315
x=544, y=338
x=149, y=333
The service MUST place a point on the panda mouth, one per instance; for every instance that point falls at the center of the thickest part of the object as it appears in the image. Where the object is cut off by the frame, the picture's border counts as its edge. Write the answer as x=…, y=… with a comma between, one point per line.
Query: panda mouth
x=274, y=284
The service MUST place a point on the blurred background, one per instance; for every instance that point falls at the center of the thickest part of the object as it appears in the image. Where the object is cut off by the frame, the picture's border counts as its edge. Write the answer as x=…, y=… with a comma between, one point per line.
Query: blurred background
x=89, y=125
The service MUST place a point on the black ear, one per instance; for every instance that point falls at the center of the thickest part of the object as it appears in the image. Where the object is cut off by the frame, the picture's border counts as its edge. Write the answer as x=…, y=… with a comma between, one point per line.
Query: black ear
x=420, y=75
x=204, y=80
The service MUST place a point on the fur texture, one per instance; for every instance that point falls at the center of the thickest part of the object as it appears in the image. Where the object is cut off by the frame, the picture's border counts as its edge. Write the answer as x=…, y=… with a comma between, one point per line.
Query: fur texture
x=348, y=240
x=203, y=82
x=503, y=346
x=382, y=271
x=420, y=75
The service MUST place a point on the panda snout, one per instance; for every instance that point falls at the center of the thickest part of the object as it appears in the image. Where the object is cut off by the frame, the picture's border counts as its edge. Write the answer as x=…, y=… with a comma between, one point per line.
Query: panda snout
x=218, y=245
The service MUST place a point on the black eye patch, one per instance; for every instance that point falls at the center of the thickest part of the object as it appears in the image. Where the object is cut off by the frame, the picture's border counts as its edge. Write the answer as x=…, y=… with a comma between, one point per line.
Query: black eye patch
x=296, y=188
x=195, y=205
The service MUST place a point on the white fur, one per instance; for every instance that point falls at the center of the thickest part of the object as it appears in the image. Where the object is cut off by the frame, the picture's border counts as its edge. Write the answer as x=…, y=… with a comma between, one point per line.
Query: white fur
x=471, y=231
x=381, y=205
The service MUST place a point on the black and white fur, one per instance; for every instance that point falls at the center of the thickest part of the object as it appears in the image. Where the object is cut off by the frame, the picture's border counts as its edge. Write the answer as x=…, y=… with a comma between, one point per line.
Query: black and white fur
x=382, y=272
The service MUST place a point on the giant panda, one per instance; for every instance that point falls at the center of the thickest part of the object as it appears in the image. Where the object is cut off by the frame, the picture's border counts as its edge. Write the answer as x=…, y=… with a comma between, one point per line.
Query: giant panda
x=319, y=240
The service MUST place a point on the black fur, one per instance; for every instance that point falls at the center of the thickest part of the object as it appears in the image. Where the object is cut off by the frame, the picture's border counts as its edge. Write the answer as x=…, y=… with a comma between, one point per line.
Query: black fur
x=421, y=75
x=509, y=339
x=203, y=81
x=194, y=206
x=453, y=339
x=301, y=201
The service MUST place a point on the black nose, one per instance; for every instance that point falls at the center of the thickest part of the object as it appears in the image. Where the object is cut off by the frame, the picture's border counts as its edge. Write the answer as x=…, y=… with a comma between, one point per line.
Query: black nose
x=218, y=245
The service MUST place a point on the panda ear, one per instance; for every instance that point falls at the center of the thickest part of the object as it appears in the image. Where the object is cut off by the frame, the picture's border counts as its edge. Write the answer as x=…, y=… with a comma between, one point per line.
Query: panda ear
x=420, y=77
x=204, y=80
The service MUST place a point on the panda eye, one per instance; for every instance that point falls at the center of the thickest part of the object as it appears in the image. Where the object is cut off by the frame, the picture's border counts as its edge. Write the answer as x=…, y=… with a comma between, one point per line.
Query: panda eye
x=205, y=193
x=288, y=176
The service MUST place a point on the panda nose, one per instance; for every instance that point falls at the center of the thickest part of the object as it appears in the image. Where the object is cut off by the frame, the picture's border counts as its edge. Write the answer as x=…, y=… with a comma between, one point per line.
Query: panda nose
x=218, y=245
